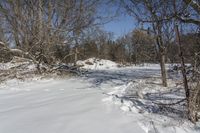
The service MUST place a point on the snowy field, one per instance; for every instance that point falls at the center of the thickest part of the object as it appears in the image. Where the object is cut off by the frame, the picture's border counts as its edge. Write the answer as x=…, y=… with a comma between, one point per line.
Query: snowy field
x=107, y=99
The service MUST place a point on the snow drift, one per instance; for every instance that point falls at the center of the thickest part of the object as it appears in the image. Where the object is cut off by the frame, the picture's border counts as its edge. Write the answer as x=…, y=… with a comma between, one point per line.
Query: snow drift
x=97, y=64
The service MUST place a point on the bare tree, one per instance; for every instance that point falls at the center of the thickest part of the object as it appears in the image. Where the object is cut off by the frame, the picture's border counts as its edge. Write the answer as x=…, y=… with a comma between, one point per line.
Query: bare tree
x=154, y=13
x=38, y=26
x=183, y=14
x=188, y=18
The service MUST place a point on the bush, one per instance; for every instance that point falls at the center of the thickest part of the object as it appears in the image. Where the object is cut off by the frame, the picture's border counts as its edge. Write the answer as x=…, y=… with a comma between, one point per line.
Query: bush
x=5, y=55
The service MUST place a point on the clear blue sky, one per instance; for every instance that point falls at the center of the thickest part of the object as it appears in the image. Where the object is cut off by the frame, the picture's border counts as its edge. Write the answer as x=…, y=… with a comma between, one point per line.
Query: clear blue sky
x=120, y=26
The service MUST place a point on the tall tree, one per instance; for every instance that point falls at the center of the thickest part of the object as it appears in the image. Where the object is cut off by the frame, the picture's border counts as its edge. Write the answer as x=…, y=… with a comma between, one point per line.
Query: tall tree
x=154, y=13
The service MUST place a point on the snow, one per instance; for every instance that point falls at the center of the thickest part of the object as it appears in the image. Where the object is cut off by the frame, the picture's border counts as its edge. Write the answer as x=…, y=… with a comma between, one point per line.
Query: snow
x=97, y=64
x=68, y=106
x=107, y=99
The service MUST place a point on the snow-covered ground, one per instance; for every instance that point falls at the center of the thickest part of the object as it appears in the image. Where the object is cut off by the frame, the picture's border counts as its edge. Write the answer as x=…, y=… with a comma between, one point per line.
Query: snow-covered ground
x=97, y=64
x=60, y=106
x=118, y=100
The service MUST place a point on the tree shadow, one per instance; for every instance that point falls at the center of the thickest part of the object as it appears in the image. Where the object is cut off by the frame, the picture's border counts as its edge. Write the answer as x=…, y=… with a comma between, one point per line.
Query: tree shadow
x=119, y=76
x=150, y=101
x=160, y=103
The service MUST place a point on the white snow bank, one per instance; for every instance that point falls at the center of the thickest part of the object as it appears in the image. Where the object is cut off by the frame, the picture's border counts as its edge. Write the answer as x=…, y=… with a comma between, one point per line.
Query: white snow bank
x=140, y=97
x=60, y=106
x=97, y=64
x=103, y=64
x=17, y=62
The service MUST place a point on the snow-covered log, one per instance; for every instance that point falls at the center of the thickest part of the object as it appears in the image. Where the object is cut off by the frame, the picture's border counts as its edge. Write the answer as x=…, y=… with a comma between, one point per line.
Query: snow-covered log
x=17, y=52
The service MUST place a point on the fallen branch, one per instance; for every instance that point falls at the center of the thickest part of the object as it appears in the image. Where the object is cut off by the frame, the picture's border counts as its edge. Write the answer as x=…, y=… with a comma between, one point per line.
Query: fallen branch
x=63, y=67
x=170, y=104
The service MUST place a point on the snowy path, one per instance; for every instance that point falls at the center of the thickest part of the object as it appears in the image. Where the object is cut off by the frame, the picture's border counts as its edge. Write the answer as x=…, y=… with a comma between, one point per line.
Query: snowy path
x=61, y=106
x=79, y=105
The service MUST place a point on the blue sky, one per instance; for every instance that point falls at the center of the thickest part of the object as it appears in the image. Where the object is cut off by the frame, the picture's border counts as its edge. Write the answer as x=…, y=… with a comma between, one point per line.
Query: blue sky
x=121, y=25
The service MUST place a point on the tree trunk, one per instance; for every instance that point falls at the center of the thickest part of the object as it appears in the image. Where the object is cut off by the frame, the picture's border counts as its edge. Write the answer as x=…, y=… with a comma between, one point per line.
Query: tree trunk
x=187, y=93
x=75, y=56
x=161, y=51
x=16, y=38
x=40, y=20
x=163, y=69
x=191, y=105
